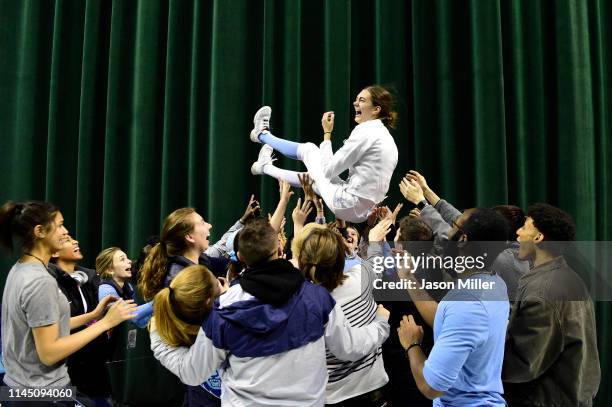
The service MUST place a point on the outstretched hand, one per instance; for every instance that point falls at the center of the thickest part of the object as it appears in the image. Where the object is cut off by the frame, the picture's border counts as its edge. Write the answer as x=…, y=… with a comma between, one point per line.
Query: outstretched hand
x=414, y=175
x=120, y=311
x=307, y=182
x=300, y=213
x=392, y=216
x=250, y=211
x=284, y=189
x=378, y=232
x=100, y=309
x=411, y=190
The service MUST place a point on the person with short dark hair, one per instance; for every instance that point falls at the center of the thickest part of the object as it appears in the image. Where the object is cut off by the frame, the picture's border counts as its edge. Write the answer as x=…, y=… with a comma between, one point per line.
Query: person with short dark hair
x=445, y=220
x=271, y=327
x=86, y=367
x=551, y=355
x=465, y=363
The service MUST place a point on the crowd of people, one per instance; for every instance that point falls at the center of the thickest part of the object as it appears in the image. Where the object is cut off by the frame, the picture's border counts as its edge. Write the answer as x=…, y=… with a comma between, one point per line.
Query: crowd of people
x=270, y=317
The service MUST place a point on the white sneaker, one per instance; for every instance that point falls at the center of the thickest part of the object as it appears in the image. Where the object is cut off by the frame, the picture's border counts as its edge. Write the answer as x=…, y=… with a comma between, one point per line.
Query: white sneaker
x=264, y=158
x=261, y=122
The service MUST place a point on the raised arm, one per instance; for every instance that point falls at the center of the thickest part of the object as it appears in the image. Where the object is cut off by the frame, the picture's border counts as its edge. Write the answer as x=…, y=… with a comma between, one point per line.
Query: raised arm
x=220, y=249
x=448, y=212
x=285, y=193
x=351, y=152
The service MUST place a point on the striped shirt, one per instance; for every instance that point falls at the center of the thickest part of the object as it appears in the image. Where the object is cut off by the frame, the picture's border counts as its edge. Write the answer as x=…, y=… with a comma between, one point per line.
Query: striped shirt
x=351, y=379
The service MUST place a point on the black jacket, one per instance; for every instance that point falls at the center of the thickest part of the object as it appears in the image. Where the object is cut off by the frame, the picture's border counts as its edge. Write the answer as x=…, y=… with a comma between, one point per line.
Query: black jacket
x=86, y=367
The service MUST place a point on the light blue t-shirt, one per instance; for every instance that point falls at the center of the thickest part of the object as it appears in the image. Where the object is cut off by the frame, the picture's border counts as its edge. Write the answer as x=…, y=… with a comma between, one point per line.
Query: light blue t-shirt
x=469, y=333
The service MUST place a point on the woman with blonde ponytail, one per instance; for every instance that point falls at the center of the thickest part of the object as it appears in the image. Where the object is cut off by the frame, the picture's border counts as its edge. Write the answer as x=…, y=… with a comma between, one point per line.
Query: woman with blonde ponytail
x=183, y=242
x=369, y=153
x=181, y=307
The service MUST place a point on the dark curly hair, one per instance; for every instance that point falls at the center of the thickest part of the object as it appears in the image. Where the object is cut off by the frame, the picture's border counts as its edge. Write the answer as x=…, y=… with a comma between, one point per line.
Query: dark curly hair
x=515, y=217
x=555, y=224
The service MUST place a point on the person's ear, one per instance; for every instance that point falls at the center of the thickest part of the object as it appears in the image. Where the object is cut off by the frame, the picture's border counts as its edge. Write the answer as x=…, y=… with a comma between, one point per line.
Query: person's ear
x=240, y=256
x=538, y=238
x=377, y=110
x=39, y=232
x=462, y=241
x=189, y=239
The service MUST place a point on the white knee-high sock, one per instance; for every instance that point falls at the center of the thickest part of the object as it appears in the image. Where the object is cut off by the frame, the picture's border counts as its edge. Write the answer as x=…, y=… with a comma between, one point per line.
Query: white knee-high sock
x=290, y=176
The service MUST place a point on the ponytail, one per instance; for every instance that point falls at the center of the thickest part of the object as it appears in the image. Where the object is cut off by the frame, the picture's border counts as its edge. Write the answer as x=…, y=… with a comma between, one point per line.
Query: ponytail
x=8, y=212
x=18, y=220
x=173, y=330
x=171, y=243
x=153, y=272
x=181, y=308
x=383, y=98
x=390, y=121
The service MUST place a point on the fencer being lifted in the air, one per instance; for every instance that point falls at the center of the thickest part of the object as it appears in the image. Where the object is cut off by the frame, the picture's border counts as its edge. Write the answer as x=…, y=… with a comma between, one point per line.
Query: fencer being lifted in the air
x=370, y=155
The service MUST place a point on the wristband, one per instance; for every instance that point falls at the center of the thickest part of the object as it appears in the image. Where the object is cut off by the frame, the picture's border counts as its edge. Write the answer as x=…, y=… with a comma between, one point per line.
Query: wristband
x=422, y=204
x=411, y=346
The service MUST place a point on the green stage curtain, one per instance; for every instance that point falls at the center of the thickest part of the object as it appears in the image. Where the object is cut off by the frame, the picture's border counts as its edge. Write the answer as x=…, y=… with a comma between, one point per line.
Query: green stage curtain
x=122, y=111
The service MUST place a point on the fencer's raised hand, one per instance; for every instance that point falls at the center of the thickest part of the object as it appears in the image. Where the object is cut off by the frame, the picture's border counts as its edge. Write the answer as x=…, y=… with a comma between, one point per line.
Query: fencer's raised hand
x=250, y=210
x=378, y=232
x=382, y=312
x=409, y=332
x=411, y=190
x=327, y=122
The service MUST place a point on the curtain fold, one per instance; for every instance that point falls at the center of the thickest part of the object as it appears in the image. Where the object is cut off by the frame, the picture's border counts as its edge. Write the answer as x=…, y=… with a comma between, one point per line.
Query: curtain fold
x=122, y=111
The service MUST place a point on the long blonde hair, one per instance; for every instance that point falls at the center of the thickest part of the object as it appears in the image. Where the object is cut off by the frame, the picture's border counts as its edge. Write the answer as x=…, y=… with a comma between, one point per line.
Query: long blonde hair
x=171, y=243
x=180, y=309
